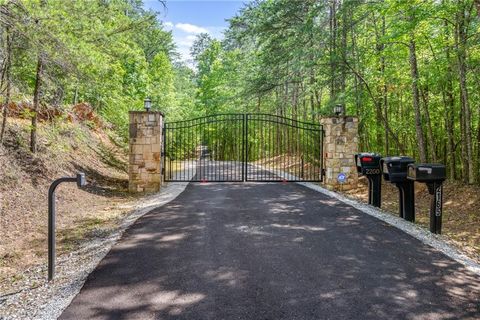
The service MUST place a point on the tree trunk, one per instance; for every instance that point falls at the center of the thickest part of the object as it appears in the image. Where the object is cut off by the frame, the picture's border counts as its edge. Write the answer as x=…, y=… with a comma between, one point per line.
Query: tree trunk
x=343, y=75
x=449, y=105
x=357, y=83
x=295, y=94
x=8, y=65
x=464, y=102
x=385, y=92
x=416, y=100
x=332, y=51
x=312, y=95
x=450, y=125
x=75, y=96
x=478, y=145
x=381, y=110
x=312, y=79
x=432, y=145
x=36, y=104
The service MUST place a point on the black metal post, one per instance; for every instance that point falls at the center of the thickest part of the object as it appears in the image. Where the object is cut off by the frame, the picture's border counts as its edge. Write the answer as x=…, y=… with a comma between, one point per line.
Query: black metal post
x=370, y=189
x=80, y=180
x=244, y=138
x=436, y=207
x=400, y=200
x=407, y=200
x=375, y=190
x=302, y=170
x=246, y=148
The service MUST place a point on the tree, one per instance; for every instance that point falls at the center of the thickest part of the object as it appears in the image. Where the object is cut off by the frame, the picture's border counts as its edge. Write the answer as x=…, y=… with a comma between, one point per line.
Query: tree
x=408, y=69
x=201, y=43
x=8, y=81
x=11, y=13
x=462, y=20
x=161, y=82
x=90, y=51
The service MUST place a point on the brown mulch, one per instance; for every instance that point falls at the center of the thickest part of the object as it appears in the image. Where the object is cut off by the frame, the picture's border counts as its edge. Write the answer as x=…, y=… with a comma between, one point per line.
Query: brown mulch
x=80, y=112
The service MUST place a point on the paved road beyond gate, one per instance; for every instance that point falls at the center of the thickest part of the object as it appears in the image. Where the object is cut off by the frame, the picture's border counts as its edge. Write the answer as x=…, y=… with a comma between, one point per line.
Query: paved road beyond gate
x=242, y=147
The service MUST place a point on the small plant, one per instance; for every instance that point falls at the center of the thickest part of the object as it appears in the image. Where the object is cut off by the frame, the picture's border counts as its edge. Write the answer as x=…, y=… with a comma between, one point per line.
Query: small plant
x=27, y=113
x=17, y=278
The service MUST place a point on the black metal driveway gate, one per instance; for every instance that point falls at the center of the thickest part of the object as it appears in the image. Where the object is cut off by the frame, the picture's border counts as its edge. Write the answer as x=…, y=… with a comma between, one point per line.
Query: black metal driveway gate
x=242, y=147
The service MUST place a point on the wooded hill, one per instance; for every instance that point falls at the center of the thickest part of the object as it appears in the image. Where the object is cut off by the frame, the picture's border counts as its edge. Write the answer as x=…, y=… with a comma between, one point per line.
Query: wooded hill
x=109, y=54
x=409, y=69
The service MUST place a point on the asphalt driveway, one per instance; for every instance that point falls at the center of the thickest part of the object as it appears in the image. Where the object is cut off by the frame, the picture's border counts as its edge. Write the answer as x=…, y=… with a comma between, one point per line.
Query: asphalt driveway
x=272, y=251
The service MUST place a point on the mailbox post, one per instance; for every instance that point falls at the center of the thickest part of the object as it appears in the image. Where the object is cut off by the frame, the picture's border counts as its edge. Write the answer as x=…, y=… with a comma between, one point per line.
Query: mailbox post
x=368, y=164
x=395, y=170
x=80, y=180
x=433, y=175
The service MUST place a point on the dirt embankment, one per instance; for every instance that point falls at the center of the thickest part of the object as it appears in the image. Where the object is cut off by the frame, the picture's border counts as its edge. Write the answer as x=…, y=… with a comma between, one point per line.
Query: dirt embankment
x=64, y=148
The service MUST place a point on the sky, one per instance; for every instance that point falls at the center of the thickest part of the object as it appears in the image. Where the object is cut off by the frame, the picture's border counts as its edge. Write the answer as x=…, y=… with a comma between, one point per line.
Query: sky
x=188, y=18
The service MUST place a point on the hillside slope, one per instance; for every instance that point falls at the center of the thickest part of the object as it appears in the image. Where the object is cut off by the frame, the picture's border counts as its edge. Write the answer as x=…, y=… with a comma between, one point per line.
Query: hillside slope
x=65, y=147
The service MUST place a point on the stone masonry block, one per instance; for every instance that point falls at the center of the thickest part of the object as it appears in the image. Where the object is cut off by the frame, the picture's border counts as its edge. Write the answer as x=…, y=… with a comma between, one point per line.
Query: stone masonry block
x=340, y=145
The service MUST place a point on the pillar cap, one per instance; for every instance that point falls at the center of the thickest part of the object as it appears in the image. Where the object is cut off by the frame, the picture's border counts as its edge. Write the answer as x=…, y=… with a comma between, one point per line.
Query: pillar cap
x=146, y=112
x=335, y=119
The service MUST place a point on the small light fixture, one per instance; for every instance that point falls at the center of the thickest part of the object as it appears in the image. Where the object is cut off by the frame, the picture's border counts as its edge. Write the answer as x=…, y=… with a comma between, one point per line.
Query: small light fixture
x=339, y=109
x=147, y=104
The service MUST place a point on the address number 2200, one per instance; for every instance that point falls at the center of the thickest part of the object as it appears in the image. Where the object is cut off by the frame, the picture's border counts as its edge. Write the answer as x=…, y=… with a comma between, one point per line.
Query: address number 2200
x=372, y=171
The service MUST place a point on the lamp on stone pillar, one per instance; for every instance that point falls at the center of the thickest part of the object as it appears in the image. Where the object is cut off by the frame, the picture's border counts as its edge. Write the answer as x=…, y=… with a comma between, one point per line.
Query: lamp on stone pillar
x=147, y=104
x=339, y=109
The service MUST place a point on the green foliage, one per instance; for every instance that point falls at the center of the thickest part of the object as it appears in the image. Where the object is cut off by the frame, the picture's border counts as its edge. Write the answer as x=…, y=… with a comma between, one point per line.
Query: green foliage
x=161, y=83
x=290, y=58
x=300, y=58
x=110, y=54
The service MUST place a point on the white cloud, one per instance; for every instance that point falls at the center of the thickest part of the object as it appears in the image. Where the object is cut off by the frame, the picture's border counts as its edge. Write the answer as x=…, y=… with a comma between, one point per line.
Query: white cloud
x=185, y=55
x=191, y=28
x=186, y=41
x=184, y=35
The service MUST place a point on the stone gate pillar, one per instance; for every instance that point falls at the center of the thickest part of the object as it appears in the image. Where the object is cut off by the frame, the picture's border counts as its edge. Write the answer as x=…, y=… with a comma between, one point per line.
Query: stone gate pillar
x=145, y=144
x=339, y=147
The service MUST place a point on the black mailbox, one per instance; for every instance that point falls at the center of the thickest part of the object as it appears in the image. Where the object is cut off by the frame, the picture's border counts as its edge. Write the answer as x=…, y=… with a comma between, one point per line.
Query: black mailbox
x=433, y=175
x=395, y=170
x=427, y=173
x=368, y=164
x=81, y=182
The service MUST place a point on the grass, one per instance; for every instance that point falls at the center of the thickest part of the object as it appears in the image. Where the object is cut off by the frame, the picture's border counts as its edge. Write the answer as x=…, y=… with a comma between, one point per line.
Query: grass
x=69, y=239
x=109, y=155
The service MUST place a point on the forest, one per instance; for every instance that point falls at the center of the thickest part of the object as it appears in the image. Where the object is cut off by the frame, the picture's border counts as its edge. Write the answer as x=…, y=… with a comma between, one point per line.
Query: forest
x=409, y=69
